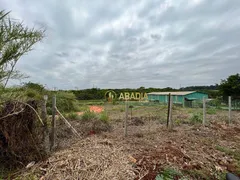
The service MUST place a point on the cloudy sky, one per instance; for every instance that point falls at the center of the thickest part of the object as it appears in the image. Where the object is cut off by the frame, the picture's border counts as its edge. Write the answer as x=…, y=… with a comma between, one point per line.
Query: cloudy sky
x=130, y=43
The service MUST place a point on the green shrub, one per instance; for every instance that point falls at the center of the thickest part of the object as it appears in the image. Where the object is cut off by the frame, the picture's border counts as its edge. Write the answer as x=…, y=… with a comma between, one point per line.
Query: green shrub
x=168, y=174
x=211, y=111
x=88, y=115
x=196, y=118
x=104, y=117
x=72, y=116
x=31, y=93
x=215, y=103
x=97, y=123
x=65, y=101
x=178, y=122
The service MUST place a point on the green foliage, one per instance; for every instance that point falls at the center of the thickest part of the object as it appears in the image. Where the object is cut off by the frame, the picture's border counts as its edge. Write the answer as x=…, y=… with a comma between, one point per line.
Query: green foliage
x=72, y=116
x=235, y=154
x=168, y=174
x=104, y=117
x=230, y=86
x=178, y=122
x=35, y=86
x=88, y=115
x=196, y=174
x=18, y=93
x=215, y=103
x=211, y=111
x=196, y=118
x=15, y=41
x=65, y=101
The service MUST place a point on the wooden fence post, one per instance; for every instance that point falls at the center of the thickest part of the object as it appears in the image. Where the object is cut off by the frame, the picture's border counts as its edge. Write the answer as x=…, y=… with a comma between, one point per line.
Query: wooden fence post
x=229, y=109
x=170, y=112
x=126, y=118
x=169, y=116
x=53, y=133
x=204, y=111
x=45, y=125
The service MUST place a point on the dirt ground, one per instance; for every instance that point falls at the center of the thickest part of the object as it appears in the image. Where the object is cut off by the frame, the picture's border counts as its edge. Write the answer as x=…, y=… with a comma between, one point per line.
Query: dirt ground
x=191, y=151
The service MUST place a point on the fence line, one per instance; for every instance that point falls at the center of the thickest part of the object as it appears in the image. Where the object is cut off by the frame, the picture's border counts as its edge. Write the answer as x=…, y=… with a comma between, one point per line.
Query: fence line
x=126, y=118
x=53, y=132
x=229, y=108
x=204, y=111
x=67, y=123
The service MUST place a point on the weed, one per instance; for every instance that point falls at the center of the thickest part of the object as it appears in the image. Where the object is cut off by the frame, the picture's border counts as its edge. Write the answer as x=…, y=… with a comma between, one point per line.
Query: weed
x=235, y=154
x=28, y=177
x=169, y=173
x=88, y=115
x=72, y=116
x=197, y=174
x=220, y=175
x=211, y=111
x=104, y=117
x=178, y=122
x=196, y=118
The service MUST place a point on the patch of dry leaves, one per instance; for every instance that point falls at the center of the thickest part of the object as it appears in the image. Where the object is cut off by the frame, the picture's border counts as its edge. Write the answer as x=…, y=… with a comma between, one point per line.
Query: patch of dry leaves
x=91, y=158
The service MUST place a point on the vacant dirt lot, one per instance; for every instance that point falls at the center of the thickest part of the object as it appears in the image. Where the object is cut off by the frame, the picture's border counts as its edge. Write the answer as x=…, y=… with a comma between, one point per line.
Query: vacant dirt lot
x=150, y=150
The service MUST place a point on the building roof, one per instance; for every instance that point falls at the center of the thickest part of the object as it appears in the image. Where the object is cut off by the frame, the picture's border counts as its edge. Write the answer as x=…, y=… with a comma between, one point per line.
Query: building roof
x=179, y=93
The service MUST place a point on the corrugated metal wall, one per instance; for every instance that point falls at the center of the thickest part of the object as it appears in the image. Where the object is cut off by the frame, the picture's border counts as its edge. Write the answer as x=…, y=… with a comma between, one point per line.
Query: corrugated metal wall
x=197, y=95
x=176, y=98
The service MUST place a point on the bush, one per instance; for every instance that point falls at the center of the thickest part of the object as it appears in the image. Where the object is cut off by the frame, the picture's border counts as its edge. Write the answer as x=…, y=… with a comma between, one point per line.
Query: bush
x=31, y=93
x=88, y=115
x=93, y=123
x=211, y=111
x=215, y=103
x=104, y=117
x=72, y=116
x=65, y=101
x=169, y=173
x=196, y=118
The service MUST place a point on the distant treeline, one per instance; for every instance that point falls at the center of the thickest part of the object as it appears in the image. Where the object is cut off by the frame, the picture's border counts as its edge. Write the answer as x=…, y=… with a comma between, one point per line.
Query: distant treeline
x=199, y=88
x=96, y=93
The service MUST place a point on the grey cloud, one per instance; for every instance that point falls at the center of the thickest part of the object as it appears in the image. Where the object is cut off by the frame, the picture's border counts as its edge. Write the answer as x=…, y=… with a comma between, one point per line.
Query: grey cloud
x=150, y=46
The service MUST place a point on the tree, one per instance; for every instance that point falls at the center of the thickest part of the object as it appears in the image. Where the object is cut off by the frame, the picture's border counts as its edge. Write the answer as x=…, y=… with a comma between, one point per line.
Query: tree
x=38, y=87
x=15, y=41
x=230, y=86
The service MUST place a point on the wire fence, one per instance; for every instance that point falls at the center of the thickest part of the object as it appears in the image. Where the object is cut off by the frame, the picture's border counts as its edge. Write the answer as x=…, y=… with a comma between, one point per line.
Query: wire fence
x=154, y=114
x=145, y=116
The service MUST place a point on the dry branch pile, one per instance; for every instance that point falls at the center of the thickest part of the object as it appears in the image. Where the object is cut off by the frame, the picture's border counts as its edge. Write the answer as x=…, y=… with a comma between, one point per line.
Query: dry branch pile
x=19, y=136
x=91, y=158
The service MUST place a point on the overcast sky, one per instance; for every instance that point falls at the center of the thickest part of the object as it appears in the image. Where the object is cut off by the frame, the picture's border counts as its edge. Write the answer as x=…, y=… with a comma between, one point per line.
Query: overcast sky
x=130, y=43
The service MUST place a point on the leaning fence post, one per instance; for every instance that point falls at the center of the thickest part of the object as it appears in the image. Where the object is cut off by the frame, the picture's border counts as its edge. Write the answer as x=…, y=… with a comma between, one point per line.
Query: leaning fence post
x=204, y=111
x=53, y=133
x=45, y=125
x=126, y=118
x=229, y=109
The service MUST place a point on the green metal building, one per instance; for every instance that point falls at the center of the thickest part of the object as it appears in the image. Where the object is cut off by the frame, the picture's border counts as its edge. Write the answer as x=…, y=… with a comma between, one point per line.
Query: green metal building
x=181, y=97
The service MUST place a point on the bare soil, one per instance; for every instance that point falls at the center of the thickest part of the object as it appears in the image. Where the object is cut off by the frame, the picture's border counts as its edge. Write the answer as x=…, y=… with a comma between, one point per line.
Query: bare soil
x=198, y=152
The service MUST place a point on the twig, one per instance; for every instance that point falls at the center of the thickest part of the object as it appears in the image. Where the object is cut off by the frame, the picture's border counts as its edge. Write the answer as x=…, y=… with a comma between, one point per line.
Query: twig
x=15, y=113
x=40, y=119
x=67, y=123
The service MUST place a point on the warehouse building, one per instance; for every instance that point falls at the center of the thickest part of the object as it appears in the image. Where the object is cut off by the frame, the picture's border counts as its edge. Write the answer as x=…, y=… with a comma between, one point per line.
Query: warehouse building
x=182, y=97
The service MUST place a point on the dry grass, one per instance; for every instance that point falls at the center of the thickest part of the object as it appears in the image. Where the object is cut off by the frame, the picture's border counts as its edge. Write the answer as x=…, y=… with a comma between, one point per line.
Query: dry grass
x=188, y=148
x=92, y=158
